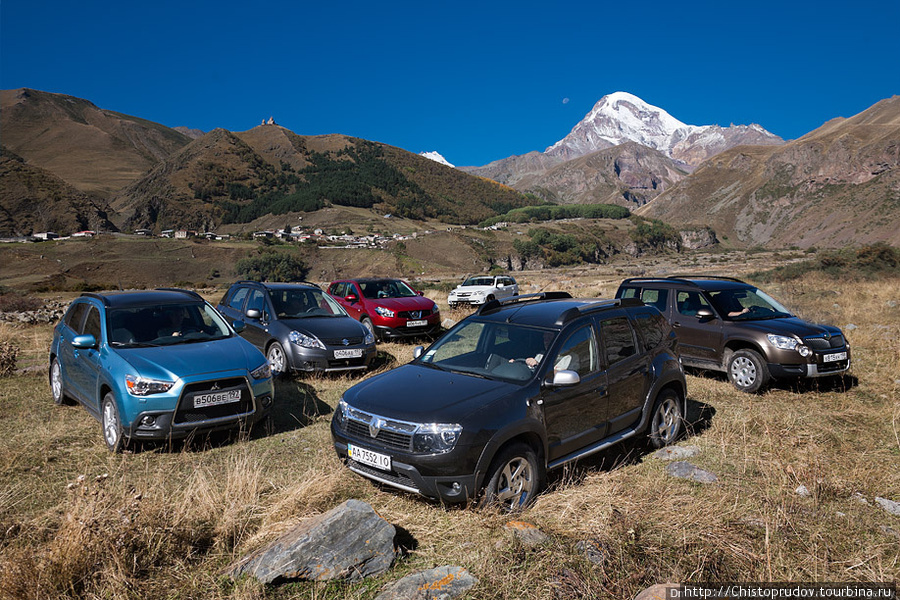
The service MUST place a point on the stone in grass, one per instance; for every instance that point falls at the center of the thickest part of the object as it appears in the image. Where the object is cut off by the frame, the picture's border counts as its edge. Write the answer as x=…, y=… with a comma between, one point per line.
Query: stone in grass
x=685, y=470
x=526, y=533
x=676, y=452
x=349, y=542
x=802, y=490
x=659, y=591
x=888, y=505
x=442, y=583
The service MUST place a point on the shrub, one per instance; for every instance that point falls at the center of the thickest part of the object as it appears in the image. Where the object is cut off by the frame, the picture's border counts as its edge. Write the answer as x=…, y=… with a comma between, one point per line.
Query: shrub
x=13, y=302
x=272, y=265
x=8, y=356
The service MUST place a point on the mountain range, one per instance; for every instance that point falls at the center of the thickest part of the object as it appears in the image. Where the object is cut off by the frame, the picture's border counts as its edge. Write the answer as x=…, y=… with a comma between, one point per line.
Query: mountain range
x=615, y=123
x=67, y=164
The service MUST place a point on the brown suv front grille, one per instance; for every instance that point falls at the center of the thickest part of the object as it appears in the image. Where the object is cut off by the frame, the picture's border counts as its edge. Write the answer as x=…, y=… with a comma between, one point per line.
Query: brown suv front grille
x=822, y=343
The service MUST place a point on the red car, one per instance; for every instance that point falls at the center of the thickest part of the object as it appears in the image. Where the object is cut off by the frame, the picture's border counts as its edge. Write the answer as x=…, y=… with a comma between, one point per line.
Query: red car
x=389, y=308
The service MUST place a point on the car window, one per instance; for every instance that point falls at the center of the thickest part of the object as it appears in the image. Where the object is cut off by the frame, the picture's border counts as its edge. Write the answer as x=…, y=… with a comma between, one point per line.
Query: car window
x=392, y=288
x=618, y=339
x=744, y=304
x=688, y=303
x=301, y=303
x=578, y=353
x=92, y=323
x=257, y=301
x=656, y=297
x=75, y=316
x=652, y=328
x=237, y=299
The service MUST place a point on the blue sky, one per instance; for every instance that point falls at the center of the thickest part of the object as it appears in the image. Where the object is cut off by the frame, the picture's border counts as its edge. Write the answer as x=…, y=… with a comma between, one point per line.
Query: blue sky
x=475, y=81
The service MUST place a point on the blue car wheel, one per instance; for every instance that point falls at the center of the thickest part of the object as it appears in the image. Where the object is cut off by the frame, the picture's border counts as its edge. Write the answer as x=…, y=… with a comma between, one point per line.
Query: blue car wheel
x=112, y=427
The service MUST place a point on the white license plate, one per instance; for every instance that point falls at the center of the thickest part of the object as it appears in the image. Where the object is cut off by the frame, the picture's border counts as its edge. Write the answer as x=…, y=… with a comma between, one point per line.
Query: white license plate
x=217, y=398
x=416, y=323
x=367, y=457
x=834, y=357
x=349, y=353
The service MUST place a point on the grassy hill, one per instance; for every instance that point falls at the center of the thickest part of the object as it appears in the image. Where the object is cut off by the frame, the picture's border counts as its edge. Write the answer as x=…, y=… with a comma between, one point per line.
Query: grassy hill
x=835, y=186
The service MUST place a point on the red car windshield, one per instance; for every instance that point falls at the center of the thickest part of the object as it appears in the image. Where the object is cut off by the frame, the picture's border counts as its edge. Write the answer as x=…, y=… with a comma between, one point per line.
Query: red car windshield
x=388, y=288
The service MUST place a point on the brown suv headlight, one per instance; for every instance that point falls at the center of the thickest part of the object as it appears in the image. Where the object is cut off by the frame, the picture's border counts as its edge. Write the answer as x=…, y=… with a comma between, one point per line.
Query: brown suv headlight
x=784, y=342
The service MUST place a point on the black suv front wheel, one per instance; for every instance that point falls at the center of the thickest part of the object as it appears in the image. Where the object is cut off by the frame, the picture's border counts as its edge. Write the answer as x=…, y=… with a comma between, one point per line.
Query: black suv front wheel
x=514, y=479
x=747, y=371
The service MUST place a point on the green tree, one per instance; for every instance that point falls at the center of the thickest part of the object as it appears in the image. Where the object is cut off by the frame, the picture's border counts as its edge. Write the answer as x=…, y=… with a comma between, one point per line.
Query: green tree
x=272, y=265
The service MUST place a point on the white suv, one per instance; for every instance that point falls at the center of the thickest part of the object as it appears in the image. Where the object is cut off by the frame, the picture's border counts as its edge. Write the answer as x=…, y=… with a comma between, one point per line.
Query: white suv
x=480, y=289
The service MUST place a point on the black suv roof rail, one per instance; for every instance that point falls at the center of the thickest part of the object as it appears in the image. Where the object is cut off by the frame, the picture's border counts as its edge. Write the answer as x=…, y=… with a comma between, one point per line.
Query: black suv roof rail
x=598, y=305
x=684, y=279
x=495, y=305
x=263, y=283
x=188, y=292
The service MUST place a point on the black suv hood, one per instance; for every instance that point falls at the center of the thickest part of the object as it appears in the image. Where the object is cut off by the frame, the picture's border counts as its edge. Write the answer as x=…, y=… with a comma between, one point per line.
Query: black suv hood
x=789, y=326
x=426, y=395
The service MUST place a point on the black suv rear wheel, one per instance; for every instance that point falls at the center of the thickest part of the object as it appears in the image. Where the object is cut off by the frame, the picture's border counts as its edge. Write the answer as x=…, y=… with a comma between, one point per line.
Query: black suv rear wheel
x=667, y=420
x=747, y=371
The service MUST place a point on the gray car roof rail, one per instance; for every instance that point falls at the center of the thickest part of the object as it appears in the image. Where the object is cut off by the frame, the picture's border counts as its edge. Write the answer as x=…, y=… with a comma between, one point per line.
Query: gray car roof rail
x=267, y=283
x=495, y=305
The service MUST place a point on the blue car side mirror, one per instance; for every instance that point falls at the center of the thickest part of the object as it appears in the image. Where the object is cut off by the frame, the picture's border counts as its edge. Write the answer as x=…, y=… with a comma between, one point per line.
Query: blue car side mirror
x=84, y=341
x=238, y=326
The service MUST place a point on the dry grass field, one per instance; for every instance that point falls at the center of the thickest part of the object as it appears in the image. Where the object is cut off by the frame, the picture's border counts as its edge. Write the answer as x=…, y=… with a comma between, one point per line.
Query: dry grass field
x=162, y=522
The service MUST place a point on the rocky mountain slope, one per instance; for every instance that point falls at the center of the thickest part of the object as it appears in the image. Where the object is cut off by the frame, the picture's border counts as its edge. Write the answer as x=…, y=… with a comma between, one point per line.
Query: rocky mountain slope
x=33, y=199
x=617, y=119
x=96, y=151
x=225, y=177
x=838, y=185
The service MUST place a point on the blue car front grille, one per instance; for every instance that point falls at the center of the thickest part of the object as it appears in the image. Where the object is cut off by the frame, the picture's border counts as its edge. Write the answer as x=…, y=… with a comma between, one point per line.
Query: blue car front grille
x=188, y=414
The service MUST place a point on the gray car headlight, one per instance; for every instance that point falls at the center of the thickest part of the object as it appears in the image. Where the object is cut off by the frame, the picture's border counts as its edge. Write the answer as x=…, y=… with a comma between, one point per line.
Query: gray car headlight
x=436, y=438
x=305, y=341
x=370, y=338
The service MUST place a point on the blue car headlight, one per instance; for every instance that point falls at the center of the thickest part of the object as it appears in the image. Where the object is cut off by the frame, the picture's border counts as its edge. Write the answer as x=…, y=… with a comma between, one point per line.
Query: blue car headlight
x=436, y=438
x=141, y=386
x=262, y=372
x=305, y=341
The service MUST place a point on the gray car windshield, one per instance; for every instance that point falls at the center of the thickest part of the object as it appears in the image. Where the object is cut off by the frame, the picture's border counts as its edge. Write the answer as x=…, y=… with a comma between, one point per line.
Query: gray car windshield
x=164, y=325
x=492, y=350
x=748, y=304
x=303, y=303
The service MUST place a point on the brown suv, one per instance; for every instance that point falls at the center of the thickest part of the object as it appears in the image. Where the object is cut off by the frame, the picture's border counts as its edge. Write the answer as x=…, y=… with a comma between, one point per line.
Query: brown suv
x=724, y=324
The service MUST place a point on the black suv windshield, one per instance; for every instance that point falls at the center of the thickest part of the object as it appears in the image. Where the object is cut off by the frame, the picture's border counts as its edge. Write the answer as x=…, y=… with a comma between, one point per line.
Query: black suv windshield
x=747, y=304
x=165, y=325
x=488, y=349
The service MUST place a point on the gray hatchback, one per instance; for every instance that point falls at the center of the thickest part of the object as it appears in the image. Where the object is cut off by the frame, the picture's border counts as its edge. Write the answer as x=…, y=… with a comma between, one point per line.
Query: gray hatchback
x=298, y=327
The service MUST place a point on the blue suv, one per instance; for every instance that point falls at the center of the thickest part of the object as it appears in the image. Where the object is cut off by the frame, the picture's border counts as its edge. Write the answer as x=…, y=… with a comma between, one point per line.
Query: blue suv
x=156, y=365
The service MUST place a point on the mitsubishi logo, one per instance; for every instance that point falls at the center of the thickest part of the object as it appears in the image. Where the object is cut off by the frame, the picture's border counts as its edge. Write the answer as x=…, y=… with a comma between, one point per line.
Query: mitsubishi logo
x=345, y=342
x=214, y=387
x=375, y=426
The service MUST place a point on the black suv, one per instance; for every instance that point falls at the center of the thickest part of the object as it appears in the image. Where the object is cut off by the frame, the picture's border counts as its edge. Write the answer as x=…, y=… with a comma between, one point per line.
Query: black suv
x=724, y=324
x=523, y=385
x=298, y=327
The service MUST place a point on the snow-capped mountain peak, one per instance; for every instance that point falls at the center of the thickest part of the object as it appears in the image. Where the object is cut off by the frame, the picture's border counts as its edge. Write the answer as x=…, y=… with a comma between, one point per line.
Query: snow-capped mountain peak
x=436, y=156
x=622, y=117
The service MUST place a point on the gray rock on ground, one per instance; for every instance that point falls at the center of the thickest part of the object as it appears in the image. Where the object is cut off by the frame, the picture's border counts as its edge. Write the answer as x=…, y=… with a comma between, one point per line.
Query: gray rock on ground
x=348, y=542
x=685, y=470
x=442, y=583
x=676, y=452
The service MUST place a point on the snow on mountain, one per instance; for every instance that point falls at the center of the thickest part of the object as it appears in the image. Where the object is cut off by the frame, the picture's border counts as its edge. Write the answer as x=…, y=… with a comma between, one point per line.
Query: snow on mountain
x=436, y=156
x=622, y=117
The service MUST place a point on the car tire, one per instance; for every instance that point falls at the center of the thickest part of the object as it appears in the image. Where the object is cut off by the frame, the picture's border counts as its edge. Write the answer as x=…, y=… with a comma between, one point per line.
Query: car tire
x=490, y=298
x=514, y=478
x=277, y=359
x=667, y=419
x=367, y=323
x=111, y=425
x=57, y=389
x=747, y=371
